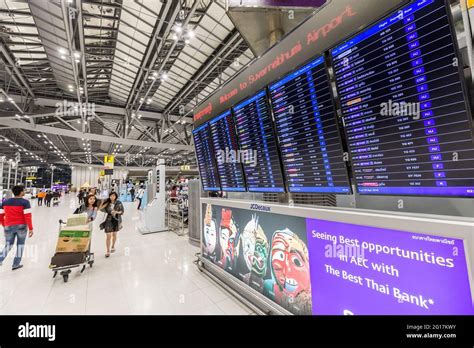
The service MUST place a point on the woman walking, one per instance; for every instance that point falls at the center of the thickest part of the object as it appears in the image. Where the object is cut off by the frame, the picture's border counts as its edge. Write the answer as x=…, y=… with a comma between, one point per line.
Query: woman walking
x=89, y=207
x=113, y=221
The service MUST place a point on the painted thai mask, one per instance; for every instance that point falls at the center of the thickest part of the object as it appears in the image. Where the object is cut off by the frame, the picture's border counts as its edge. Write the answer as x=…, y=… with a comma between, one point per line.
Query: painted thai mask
x=210, y=232
x=290, y=262
x=248, y=239
x=227, y=233
x=259, y=262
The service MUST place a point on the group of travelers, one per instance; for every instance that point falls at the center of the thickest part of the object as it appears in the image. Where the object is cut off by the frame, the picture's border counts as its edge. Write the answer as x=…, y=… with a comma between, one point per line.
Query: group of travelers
x=112, y=207
x=47, y=196
x=16, y=218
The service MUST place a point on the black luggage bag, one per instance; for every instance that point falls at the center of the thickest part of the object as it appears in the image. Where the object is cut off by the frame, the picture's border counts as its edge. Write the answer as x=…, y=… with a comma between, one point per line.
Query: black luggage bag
x=68, y=259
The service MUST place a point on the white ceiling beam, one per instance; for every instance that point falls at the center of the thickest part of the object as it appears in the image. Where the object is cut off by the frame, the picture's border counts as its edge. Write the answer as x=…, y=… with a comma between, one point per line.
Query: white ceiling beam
x=97, y=137
x=117, y=110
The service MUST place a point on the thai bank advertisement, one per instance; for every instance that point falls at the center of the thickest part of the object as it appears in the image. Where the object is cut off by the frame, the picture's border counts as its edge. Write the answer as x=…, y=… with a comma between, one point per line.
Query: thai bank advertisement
x=310, y=266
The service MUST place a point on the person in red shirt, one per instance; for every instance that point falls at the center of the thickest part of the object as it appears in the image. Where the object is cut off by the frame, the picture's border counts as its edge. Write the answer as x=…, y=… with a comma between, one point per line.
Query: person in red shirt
x=15, y=217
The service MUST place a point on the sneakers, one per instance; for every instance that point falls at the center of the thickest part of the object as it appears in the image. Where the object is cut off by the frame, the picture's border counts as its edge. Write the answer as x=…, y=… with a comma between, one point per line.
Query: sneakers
x=16, y=267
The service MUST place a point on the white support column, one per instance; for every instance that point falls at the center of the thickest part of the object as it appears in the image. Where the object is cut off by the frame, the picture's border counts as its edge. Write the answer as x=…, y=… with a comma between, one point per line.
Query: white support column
x=15, y=182
x=52, y=176
x=2, y=160
x=9, y=173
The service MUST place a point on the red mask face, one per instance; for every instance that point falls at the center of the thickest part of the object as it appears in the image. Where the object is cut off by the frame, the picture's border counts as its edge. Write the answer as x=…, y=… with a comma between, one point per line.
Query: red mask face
x=290, y=263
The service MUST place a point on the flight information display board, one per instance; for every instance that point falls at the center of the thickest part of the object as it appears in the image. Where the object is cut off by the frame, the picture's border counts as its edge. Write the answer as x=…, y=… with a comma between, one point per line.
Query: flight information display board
x=224, y=140
x=407, y=122
x=308, y=132
x=206, y=158
x=258, y=145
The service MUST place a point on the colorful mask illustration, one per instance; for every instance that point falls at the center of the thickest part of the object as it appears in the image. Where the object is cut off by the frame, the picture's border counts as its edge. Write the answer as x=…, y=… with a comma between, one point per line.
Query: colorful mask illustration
x=228, y=231
x=259, y=262
x=210, y=232
x=248, y=239
x=290, y=263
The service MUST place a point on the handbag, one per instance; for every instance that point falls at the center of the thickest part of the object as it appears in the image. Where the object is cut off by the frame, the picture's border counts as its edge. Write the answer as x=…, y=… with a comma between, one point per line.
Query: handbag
x=102, y=225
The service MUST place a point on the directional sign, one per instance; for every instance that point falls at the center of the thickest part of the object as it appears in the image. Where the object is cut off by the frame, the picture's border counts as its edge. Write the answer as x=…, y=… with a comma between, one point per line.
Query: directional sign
x=109, y=162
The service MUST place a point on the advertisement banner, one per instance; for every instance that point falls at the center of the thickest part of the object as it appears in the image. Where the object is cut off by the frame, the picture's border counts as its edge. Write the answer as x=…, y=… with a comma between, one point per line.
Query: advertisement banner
x=268, y=254
x=366, y=270
x=312, y=266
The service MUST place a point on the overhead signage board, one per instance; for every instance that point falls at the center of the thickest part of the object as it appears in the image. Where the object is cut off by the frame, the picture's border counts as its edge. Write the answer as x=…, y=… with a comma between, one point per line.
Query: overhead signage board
x=109, y=161
x=276, y=3
x=331, y=24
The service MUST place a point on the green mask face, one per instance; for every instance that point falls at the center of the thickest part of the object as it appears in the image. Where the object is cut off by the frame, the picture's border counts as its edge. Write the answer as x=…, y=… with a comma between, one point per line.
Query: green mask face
x=259, y=262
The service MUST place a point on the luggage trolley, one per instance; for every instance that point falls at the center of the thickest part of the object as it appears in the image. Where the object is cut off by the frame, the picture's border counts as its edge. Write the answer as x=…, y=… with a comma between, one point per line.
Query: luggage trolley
x=55, y=201
x=71, y=260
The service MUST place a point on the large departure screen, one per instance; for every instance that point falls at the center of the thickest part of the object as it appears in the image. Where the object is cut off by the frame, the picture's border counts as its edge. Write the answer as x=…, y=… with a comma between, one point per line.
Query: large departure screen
x=258, y=145
x=307, y=129
x=206, y=158
x=226, y=148
x=407, y=122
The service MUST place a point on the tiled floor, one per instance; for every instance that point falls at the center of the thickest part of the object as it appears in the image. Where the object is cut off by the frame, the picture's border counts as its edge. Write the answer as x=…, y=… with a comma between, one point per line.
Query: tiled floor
x=148, y=274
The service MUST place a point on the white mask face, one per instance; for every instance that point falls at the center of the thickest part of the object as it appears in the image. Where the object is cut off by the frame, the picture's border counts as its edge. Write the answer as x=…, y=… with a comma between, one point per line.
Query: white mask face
x=210, y=237
x=248, y=243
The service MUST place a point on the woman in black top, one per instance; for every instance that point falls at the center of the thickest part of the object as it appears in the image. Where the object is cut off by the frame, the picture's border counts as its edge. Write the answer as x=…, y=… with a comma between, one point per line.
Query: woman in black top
x=113, y=222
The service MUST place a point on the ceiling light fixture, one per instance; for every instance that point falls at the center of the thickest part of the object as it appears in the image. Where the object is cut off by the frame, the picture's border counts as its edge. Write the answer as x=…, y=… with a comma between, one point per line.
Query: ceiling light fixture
x=178, y=28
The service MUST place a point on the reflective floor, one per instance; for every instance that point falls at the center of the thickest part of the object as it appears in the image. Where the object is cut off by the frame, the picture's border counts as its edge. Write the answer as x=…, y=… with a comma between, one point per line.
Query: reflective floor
x=148, y=274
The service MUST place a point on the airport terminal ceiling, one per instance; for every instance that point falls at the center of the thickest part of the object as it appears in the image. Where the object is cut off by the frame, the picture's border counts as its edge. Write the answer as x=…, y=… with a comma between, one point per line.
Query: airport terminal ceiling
x=236, y=157
x=136, y=68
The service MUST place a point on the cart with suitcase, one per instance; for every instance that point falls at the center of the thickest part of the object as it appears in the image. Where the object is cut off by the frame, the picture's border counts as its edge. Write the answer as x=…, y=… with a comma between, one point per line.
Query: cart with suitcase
x=72, y=250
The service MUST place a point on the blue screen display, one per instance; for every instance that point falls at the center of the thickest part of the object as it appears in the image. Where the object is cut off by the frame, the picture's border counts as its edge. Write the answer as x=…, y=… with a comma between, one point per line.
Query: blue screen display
x=406, y=119
x=308, y=132
x=224, y=141
x=206, y=158
x=258, y=145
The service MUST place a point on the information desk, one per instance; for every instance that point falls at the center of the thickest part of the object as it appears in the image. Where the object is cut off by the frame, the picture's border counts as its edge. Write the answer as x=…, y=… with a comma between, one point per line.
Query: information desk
x=407, y=121
x=334, y=261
